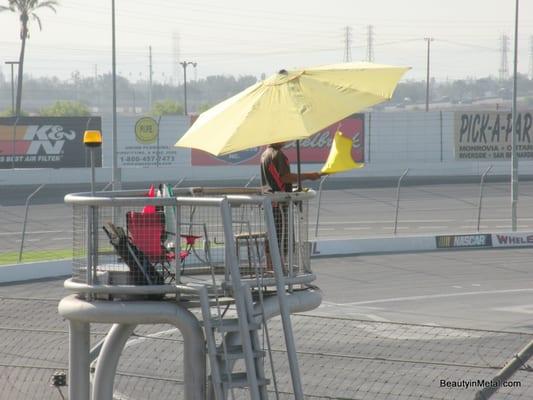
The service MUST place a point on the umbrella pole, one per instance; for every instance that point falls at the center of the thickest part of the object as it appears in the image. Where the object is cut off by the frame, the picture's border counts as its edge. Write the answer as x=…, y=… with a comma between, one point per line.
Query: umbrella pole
x=298, y=166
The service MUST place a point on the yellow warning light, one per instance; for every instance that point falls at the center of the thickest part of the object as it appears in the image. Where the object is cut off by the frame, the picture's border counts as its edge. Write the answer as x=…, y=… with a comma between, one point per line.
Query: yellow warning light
x=92, y=138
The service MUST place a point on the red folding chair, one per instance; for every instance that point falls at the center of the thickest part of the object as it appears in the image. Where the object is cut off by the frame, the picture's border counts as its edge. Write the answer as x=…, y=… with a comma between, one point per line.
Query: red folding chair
x=147, y=232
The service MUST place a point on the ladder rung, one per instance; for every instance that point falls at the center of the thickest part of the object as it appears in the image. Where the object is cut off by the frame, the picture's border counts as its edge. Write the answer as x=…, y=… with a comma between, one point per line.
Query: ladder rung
x=240, y=380
x=236, y=352
x=232, y=325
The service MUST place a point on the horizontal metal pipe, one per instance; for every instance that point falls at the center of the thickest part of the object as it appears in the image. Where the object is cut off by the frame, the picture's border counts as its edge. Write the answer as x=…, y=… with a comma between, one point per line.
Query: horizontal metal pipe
x=295, y=280
x=110, y=201
x=78, y=287
x=138, y=198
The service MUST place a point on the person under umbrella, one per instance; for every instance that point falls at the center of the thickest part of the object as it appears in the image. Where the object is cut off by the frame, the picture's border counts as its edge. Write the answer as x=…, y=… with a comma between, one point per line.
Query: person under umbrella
x=276, y=176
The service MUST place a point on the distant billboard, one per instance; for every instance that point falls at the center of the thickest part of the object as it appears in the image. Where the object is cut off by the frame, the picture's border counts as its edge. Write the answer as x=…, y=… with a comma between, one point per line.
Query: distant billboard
x=314, y=149
x=483, y=135
x=46, y=142
x=146, y=145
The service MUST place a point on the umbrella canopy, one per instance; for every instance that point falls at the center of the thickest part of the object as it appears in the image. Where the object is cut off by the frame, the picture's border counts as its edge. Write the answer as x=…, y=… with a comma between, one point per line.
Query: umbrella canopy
x=291, y=105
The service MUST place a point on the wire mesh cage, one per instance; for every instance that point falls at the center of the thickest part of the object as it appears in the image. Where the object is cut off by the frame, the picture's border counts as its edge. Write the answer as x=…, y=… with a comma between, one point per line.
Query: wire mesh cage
x=126, y=238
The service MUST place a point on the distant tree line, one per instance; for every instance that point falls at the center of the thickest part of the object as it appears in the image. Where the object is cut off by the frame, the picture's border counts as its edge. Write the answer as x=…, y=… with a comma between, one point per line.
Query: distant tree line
x=92, y=95
x=132, y=97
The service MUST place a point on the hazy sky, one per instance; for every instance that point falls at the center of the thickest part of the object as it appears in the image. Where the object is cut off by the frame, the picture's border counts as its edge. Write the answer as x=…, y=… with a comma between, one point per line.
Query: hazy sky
x=253, y=37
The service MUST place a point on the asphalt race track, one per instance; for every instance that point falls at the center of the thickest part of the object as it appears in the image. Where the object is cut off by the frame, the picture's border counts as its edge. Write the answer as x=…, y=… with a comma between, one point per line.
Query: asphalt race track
x=429, y=316
x=346, y=212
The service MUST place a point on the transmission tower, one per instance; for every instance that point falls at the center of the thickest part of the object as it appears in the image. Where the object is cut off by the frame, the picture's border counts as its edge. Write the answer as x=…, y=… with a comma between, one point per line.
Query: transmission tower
x=504, y=65
x=370, y=43
x=347, y=44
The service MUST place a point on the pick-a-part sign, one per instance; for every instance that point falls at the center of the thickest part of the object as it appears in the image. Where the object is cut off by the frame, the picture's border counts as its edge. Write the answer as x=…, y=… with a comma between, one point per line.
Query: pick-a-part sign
x=46, y=142
x=487, y=135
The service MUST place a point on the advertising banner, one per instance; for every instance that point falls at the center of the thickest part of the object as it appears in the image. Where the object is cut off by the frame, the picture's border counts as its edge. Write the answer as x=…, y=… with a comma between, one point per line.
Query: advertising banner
x=147, y=145
x=313, y=150
x=462, y=241
x=523, y=239
x=46, y=142
x=487, y=135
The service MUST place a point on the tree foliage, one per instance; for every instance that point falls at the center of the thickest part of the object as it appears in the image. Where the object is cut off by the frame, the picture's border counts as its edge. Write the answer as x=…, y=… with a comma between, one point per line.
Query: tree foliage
x=8, y=112
x=26, y=9
x=167, y=107
x=63, y=108
x=204, y=107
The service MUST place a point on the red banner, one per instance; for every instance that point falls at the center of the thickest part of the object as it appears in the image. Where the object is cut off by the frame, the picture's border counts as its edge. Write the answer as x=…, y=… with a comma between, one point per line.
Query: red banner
x=313, y=150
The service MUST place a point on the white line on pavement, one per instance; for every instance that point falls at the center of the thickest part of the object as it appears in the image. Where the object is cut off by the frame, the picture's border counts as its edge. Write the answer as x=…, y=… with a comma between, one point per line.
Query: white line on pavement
x=134, y=342
x=440, y=296
x=30, y=232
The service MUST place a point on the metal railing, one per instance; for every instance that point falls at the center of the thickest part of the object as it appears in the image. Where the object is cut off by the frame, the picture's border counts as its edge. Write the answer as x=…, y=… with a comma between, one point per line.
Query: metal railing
x=189, y=234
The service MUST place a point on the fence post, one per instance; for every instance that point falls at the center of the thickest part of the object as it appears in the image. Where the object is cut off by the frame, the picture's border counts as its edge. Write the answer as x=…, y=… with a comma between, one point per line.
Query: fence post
x=481, y=186
x=369, y=136
x=319, y=203
x=250, y=181
x=28, y=199
x=441, y=134
x=506, y=372
x=178, y=183
x=398, y=199
x=107, y=186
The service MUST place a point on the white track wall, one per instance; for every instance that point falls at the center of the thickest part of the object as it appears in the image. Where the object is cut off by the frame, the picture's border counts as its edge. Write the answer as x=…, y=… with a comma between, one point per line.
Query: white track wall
x=394, y=141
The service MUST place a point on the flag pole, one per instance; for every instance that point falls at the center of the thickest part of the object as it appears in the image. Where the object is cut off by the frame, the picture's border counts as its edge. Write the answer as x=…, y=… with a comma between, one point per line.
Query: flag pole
x=299, y=166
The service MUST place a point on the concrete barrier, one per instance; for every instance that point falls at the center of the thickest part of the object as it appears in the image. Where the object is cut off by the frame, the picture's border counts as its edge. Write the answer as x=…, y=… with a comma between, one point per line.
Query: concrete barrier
x=35, y=270
x=323, y=248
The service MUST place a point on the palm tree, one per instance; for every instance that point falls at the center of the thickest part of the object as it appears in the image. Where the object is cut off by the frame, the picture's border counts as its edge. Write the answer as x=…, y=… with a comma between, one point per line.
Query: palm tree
x=26, y=10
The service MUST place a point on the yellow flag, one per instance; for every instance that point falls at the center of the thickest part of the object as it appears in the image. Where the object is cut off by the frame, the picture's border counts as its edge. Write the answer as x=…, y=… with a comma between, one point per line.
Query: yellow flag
x=340, y=156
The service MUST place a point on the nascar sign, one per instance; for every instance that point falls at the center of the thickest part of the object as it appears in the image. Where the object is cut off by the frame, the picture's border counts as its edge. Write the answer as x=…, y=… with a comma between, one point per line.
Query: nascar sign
x=46, y=142
x=462, y=241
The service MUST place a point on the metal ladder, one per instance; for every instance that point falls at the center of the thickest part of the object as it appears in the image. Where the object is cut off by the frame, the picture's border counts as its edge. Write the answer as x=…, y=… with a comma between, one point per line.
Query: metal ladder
x=224, y=356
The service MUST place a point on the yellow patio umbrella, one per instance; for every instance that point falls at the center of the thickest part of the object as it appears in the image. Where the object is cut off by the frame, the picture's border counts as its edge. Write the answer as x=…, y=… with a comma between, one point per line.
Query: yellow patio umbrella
x=291, y=105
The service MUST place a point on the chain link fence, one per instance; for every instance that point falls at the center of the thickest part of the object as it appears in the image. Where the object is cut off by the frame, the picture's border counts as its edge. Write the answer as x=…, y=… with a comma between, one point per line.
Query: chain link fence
x=340, y=358
x=340, y=210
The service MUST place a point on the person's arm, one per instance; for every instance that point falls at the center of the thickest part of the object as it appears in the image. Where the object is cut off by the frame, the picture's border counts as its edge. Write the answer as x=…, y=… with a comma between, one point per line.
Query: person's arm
x=293, y=178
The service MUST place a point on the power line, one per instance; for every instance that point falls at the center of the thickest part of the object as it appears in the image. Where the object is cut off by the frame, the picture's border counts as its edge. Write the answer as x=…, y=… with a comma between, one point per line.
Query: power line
x=428, y=40
x=531, y=57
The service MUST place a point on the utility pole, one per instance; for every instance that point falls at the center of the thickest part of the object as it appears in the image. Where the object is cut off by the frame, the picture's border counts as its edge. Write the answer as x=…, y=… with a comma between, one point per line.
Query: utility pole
x=347, y=44
x=184, y=64
x=12, y=64
x=428, y=40
x=514, y=139
x=531, y=57
x=370, y=43
x=150, y=76
x=504, y=65
x=115, y=171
